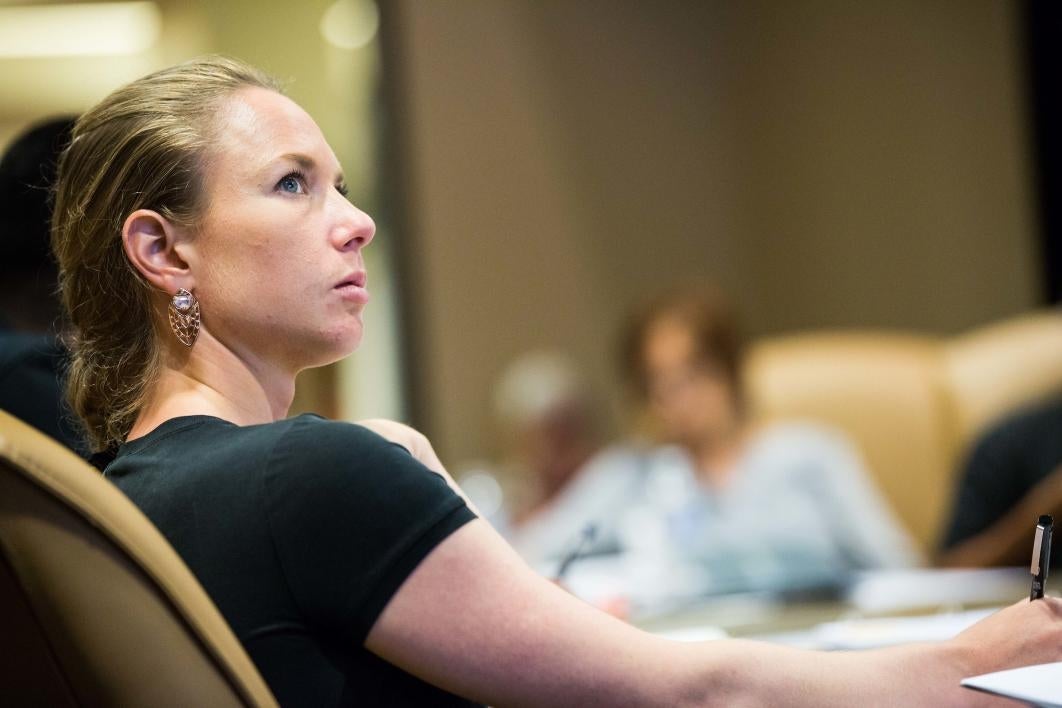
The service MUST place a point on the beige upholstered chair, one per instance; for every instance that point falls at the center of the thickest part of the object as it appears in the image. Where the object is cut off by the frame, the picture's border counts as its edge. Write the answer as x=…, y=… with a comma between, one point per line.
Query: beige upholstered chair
x=912, y=403
x=96, y=609
x=995, y=369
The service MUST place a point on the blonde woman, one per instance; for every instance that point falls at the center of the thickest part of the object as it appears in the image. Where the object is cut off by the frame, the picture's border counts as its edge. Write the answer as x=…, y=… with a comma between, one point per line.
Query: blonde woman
x=208, y=254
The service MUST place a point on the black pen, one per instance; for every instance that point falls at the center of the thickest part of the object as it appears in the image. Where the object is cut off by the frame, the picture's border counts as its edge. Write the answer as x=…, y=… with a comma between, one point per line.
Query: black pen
x=1041, y=557
x=585, y=538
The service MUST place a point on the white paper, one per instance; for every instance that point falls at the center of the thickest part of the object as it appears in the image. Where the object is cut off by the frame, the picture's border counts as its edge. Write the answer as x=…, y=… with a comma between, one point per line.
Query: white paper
x=876, y=632
x=701, y=633
x=883, y=591
x=1040, y=685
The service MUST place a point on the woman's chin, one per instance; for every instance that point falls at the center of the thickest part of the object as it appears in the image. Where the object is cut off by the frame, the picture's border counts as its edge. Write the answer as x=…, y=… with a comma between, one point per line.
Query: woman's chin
x=339, y=346
x=310, y=349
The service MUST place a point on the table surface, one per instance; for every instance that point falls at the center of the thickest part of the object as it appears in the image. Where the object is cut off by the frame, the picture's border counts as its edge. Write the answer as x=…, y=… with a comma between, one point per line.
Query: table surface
x=927, y=593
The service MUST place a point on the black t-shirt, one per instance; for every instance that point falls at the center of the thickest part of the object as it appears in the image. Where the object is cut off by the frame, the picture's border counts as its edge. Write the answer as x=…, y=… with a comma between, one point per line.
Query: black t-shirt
x=1005, y=464
x=31, y=386
x=300, y=531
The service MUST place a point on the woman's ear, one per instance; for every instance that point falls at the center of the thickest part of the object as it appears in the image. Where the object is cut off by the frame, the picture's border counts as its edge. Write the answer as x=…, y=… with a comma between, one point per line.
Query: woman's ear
x=149, y=239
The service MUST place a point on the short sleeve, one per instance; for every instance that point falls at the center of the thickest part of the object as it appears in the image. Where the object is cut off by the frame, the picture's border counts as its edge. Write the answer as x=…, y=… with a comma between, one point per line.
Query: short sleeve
x=351, y=516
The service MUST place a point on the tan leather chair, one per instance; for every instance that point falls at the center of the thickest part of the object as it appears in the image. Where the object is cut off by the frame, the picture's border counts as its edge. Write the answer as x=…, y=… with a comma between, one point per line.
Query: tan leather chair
x=995, y=369
x=912, y=403
x=879, y=389
x=96, y=609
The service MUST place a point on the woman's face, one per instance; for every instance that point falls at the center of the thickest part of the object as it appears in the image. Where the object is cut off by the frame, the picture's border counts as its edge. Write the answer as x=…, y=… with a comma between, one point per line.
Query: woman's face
x=277, y=258
x=692, y=399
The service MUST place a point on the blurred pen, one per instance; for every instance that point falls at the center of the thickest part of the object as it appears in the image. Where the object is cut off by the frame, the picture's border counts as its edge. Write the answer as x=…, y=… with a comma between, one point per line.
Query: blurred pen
x=585, y=539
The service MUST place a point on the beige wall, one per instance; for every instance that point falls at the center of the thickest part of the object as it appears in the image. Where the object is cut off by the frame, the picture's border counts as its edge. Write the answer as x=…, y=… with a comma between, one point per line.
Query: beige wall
x=831, y=163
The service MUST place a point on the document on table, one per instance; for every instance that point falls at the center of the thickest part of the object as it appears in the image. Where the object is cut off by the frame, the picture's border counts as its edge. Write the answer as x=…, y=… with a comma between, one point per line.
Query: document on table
x=1039, y=685
x=874, y=632
x=702, y=633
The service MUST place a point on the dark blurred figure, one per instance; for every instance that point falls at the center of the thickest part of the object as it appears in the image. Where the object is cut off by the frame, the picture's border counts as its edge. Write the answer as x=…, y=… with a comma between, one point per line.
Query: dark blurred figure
x=1011, y=477
x=31, y=356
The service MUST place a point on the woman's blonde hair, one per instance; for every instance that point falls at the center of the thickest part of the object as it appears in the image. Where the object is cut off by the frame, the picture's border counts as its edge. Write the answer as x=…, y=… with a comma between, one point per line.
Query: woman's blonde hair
x=142, y=147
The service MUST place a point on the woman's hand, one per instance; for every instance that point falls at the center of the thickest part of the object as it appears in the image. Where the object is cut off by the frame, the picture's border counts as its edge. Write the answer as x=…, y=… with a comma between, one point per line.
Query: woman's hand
x=1026, y=633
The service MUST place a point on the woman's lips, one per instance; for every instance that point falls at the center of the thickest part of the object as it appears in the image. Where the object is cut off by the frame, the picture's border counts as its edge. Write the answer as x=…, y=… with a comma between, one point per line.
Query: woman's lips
x=353, y=289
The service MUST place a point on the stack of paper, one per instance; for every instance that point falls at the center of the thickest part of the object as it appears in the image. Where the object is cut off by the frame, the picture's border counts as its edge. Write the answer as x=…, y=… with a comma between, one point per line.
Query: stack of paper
x=1039, y=685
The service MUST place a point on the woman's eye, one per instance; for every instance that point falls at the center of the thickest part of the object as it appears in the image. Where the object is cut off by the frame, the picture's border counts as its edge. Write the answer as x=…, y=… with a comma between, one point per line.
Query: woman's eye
x=290, y=183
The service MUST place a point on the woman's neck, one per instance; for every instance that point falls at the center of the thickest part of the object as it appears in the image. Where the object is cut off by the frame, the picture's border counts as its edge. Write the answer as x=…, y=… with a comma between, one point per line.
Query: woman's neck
x=211, y=379
x=714, y=456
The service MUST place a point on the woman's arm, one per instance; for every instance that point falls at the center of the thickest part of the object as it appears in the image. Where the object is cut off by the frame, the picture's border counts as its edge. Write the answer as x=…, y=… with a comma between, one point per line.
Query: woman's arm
x=475, y=620
x=1008, y=541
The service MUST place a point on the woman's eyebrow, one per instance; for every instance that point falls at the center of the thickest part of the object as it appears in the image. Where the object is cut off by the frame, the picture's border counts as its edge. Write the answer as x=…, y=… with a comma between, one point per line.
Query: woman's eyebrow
x=306, y=162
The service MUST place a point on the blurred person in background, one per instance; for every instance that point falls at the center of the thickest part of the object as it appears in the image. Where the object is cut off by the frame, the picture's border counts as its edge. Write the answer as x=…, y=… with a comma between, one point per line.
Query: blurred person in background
x=780, y=505
x=31, y=356
x=1012, y=475
x=566, y=480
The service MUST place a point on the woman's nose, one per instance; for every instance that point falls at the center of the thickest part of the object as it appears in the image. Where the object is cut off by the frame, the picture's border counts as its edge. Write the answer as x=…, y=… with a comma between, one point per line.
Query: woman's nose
x=355, y=229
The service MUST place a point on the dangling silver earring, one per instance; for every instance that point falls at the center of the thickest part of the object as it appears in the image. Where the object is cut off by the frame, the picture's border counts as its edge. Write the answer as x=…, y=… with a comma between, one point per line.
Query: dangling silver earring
x=184, y=317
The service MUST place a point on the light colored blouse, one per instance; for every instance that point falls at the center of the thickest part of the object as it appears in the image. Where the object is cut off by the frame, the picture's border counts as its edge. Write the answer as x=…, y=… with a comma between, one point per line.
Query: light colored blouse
x=797, y=509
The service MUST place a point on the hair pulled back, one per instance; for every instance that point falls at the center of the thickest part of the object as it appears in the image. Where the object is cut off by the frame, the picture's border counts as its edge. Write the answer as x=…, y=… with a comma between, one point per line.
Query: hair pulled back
x=142, y=147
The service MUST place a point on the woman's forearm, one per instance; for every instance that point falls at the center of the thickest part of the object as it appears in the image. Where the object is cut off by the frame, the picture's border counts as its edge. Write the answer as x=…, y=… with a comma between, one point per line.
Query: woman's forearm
x=928, y=674
x=475, y=620
x=746, y=673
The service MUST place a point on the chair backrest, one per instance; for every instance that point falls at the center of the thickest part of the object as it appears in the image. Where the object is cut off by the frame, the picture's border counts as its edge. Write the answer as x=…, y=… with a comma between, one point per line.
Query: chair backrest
x=993, y=370
x=912, y=403
x=883, y=391
x=96, y=608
